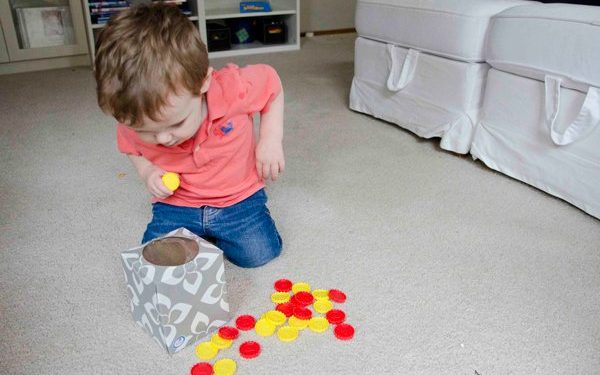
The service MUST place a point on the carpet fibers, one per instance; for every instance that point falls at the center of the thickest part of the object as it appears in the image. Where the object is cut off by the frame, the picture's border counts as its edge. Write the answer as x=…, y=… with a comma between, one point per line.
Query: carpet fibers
x=449, y=267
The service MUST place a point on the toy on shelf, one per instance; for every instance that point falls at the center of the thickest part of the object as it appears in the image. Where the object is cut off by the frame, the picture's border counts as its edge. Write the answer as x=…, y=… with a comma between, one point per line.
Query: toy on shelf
x=255, y=6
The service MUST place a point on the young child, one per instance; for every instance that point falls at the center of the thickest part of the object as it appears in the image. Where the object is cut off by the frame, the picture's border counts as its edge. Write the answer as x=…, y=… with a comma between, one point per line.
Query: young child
x=177, y=114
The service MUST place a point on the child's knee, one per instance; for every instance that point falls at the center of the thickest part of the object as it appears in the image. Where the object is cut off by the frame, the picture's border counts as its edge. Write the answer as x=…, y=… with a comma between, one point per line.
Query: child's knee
x=256, y=256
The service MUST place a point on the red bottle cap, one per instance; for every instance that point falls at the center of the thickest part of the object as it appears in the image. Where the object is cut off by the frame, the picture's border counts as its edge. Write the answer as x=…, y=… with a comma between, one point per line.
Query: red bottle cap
x=202, y=368
x=229, y=333
x=304, y=298
x=286, y=308
x=343, y=331
x=250, y=349
x=335, y=316
x=283, y=285
x=295, y=301
x=337, y=296
x=302, y=313
x=245, y=322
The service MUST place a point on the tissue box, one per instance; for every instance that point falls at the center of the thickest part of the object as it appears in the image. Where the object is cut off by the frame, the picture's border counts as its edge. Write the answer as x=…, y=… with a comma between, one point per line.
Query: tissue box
x=177, y=288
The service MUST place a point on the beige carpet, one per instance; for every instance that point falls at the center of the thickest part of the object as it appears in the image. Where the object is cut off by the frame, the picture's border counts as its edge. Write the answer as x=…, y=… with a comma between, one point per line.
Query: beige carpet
x=450, y=268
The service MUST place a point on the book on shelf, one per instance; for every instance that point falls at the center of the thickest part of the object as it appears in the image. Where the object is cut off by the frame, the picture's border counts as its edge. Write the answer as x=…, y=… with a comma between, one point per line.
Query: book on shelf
x=106, y=10
x=101, y=4
x=182, y=4
x=102, y=10
x=45, y=26
x=171, y=1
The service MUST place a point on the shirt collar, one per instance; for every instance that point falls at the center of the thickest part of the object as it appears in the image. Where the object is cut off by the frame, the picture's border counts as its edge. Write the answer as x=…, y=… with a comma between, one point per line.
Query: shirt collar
x=217, y=105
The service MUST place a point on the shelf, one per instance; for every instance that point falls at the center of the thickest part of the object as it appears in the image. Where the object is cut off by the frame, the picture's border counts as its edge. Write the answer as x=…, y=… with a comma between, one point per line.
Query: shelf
x=101, y=25
x=286, y=10
x=223, y=13
x=207, y=10
x=252, y=48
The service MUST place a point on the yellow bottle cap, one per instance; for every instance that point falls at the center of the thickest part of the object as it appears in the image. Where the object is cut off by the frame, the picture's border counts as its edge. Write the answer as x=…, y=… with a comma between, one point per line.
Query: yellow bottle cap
x=301, y=287
x=225, y=366
x=206, y=350
x=298, y=323
x=323, y=306
x=171, y=180
x=280, y=297
x=318, y=324
x=220, y=342
x=287, y=334
x=264, y=327
x=320, y=294
x=276, y=317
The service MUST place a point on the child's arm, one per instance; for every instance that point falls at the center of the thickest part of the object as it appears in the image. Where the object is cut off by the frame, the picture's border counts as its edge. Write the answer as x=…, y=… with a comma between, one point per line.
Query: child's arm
x=269, y=150
x=151, y=175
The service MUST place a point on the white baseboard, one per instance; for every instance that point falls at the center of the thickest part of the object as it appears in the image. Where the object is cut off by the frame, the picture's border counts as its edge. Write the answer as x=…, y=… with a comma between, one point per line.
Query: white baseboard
x=44, y=64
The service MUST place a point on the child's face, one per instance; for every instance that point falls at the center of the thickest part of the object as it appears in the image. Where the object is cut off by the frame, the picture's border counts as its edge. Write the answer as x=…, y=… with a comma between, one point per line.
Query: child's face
x=178, y=121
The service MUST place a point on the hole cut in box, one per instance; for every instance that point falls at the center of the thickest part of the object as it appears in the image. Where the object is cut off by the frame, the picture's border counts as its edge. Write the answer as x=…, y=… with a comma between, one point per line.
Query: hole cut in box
x=171, y=251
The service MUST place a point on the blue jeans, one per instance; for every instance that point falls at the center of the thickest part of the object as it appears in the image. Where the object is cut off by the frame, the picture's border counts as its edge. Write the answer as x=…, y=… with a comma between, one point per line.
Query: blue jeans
x=245, y=231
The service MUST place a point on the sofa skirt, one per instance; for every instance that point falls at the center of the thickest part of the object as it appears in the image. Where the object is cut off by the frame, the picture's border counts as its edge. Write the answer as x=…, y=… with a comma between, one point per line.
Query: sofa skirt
x=544, y=135
x=429, y=95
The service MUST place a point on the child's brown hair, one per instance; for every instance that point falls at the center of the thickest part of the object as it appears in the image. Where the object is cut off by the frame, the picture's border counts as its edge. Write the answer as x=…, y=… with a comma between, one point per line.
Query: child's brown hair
x=144, y=54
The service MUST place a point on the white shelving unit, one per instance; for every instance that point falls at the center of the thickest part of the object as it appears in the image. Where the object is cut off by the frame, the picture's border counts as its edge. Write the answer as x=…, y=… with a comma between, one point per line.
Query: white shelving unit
x=289, y=10
x=213, y=10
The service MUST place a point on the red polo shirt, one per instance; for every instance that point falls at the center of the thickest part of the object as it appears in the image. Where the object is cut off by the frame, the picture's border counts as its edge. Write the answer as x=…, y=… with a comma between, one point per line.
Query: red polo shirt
x=217, y=166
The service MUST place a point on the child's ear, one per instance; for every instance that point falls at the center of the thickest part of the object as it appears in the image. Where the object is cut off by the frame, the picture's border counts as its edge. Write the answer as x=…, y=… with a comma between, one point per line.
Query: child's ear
x=206, y=83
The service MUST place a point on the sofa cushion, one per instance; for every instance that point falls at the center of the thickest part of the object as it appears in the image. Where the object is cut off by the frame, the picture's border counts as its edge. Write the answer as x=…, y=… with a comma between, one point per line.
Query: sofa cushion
x=455, y=29
x=548, y=39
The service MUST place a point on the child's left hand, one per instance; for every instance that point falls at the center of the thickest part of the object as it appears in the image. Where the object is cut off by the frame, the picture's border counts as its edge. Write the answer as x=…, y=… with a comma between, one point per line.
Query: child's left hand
x=269, y=159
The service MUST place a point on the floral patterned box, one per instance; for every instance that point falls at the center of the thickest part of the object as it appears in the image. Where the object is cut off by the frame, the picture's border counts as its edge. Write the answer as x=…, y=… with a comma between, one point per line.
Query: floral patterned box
x=177, y=288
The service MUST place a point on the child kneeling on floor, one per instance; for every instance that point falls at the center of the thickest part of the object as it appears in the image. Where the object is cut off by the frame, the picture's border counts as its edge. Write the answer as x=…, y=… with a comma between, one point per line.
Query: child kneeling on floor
x=177, y=114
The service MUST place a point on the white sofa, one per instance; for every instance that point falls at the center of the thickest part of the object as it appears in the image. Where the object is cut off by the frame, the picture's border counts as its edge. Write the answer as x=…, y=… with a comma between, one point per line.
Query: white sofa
x=421, y=64
x=541, y=111
x=515, y=83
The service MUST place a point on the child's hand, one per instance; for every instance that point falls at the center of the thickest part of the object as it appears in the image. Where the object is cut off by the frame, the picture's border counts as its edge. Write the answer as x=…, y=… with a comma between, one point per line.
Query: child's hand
x=152, y=177
x=269, y=159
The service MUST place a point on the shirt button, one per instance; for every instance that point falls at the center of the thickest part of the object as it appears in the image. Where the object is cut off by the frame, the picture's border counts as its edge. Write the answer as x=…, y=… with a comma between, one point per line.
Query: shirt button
x=197, y=147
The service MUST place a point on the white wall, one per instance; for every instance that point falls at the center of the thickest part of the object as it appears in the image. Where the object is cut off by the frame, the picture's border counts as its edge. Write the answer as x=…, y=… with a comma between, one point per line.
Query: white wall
x=318, y=15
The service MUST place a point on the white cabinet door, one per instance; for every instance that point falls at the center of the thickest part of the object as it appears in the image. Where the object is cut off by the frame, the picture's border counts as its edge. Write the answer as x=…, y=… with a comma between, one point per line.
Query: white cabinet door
x=3, y=50
x=41, y=23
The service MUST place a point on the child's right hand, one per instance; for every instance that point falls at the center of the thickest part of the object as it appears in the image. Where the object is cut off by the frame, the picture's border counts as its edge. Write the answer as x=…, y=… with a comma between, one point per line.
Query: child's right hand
x=152, y=176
